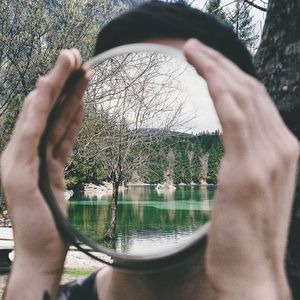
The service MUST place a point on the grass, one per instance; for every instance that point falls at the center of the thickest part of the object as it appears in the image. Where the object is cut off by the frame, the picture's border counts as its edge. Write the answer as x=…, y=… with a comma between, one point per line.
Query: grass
x=70, y=275
x=77, y=272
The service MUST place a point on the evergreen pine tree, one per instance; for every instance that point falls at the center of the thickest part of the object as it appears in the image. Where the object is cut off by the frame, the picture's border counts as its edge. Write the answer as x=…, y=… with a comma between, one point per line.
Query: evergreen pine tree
x=213, y=7
x=214, y=159
x=242, y=22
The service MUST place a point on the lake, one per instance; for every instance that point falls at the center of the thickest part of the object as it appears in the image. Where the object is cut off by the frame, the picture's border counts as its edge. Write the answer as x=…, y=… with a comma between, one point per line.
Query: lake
x=149, y=220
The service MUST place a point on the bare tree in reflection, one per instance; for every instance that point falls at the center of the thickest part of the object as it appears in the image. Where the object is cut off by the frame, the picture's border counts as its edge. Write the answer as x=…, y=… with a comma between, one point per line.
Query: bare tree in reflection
x=133, y=101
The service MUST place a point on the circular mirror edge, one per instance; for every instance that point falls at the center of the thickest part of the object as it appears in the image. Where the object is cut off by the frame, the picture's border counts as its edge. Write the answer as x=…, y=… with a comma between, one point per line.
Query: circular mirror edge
x=127, y=259
x=152, y=263
x=136, y=47
x=199, y=234
x=143, y=263
x=74, y=237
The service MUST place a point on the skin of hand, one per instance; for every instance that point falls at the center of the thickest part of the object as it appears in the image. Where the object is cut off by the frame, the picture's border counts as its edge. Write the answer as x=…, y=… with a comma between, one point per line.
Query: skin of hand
x=39, y=250
x=250, y=219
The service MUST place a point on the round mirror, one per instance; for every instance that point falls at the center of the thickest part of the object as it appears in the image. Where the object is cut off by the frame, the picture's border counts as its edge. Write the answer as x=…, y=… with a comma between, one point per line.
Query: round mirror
x=143, y=173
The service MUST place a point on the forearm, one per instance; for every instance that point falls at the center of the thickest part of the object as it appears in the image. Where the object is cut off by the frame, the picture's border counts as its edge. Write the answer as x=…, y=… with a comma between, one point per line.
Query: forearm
x=254, y=292
x=226, y=287
x=37, y=267
x=250, y=291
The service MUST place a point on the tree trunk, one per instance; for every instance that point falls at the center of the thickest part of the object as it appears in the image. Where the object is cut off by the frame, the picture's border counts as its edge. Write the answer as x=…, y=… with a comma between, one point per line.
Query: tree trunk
x=278, y=67
x=278, y=59
x=110, y=235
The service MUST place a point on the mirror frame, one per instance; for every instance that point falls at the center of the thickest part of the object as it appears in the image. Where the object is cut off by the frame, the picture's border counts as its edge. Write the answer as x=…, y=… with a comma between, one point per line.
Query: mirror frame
x=134, y=263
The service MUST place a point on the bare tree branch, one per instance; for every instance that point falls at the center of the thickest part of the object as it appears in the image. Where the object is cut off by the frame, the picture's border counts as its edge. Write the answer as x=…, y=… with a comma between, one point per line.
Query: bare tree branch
x=251, y=3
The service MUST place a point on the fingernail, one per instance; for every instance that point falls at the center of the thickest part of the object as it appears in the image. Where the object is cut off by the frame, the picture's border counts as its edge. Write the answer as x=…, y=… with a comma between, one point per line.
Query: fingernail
x=89, y=71
x=62, y=53
x=77, y=57
x=90, y=74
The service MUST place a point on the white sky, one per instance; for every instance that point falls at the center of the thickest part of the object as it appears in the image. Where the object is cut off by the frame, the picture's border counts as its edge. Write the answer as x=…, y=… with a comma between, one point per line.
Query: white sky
x=182, y=101
x=198, y=104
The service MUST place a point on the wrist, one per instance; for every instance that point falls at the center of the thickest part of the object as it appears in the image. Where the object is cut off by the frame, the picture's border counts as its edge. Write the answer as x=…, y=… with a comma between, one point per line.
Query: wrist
x=247, y=286
x=32, y=281
x=42, y=262
x=247, y=290
x=250, y=293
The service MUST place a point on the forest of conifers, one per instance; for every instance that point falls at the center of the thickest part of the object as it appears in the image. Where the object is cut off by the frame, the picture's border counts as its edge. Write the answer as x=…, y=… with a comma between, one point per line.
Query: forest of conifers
x=175, y=158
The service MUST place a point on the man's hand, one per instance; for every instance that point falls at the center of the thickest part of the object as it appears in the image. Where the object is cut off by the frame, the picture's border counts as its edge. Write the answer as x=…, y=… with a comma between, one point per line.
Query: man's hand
x=39, y=250
x=250, y=219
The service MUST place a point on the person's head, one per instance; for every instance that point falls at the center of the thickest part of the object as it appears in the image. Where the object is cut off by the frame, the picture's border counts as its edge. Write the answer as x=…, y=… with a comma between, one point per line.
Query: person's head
x=159, y=20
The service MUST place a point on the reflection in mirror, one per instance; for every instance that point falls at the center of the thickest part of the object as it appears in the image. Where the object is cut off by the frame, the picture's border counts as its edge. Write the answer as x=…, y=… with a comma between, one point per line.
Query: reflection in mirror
x=145, y=164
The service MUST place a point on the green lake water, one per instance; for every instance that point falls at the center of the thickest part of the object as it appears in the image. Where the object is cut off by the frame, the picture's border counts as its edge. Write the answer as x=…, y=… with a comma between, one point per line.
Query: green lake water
x=148, y=220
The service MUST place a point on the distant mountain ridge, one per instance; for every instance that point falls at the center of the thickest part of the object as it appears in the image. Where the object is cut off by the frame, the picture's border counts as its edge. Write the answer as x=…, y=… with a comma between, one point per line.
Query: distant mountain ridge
x=157, y=131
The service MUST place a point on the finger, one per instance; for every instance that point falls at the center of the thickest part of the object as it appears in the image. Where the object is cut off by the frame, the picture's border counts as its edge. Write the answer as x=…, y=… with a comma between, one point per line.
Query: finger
x=39, y=103
x=230, y=78
x=63, y=149
x=69, y=108
x=249, y=93
x=256, y=90
x=224, y=78
x=77, y=56
x=53, y=83
x=232, y=117
x=220, y=59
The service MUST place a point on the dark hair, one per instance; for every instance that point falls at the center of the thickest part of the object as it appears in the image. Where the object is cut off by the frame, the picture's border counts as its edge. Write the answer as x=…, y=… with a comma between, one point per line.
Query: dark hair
x=157, y=19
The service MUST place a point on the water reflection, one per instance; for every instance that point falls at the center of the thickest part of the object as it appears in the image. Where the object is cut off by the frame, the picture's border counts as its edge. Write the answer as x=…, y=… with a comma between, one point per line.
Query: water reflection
x=148, y=220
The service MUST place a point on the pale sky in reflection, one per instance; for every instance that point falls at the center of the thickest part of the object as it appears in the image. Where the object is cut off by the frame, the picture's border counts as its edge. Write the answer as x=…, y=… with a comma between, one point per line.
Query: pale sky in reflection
x=176, y=98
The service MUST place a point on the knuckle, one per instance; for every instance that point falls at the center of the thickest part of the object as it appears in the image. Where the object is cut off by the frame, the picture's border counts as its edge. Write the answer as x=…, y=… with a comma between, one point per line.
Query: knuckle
x=62, y=152
x=45, y=83
x=217, y=57
x=254, y=180
x=290, y=151
x=273, y=170
x=253, y=84
x=211, y=69
x=67, y=59
x=28, y=131
x=41, y=82
x=243, y=95
x=237, y=121
x=7, y=178
x=57, y=132
x=218, y=90
x=249, y=86
x=14, y=181
x=8, y=173
x=28, y=102
x=258, y=86
x=38, y=102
